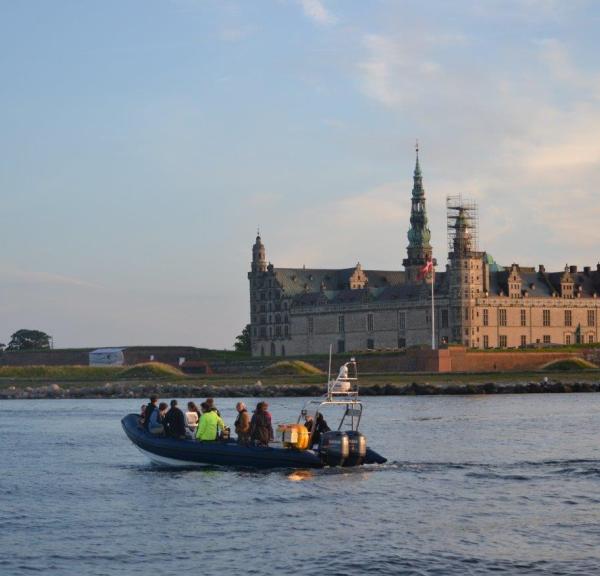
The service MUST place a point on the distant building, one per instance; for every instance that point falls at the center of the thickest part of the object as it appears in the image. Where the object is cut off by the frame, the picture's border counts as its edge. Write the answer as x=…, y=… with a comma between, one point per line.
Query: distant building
x=297, y=311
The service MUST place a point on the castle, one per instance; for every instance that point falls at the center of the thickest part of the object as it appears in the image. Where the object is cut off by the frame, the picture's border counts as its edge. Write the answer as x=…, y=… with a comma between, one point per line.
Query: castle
x=477, y=303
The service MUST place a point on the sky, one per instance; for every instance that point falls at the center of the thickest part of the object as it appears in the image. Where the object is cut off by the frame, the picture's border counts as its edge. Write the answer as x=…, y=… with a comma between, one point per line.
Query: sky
x=143, y=142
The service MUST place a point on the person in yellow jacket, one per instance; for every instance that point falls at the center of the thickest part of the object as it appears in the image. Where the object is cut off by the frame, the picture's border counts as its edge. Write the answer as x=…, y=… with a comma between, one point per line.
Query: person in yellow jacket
x=209, y=425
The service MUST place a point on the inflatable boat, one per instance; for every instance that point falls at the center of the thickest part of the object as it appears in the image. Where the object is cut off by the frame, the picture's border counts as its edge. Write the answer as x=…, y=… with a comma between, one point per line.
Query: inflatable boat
x=345, y=446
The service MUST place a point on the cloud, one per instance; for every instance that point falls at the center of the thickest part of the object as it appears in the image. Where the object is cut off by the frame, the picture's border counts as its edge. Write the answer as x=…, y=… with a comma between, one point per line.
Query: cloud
x=396, y=70
x=37, y=278
x=316, y=11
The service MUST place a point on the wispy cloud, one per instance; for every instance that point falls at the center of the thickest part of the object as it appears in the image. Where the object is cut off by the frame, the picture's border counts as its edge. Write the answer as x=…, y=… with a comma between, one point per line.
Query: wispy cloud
x=31, y=277
x=316, y=11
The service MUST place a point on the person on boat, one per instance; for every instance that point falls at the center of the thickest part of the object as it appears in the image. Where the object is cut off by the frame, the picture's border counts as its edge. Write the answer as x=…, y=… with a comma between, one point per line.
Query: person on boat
x=174, y=422
x=210, y=424
x=148, y=410
x=211, y=405
x=163, y=408
x=192, y=416
x=261, y=428
x=320, y=427
x=242, y=423
x=155, y=422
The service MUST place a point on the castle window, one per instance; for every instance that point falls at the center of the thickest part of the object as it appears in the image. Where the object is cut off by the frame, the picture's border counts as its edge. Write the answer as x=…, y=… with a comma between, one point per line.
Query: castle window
x=486, y=317
x=591, y=338
x=401, y=342
x=277, y=330
x=546, y=318
x=341, y=324
x=273, y=349
x=277, y=318
x=547, y=339
x=370, y=344
x=567, y=339
x=466, y=313
x=591, y=319
x=486, y=341
x=286, y=330
x=501, y=316
x=523, y=341
x=286, y=319
x=523, y=317
x=568, y=318
x=444, y=318
x=311, y=325
x=283, y=349
x=402, y=320
x=503, y=341
x=341, y=346
x=369, y=322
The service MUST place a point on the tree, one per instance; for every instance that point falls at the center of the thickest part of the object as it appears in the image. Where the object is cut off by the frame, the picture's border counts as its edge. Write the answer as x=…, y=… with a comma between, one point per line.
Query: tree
x=242, y=342
x=29, y=340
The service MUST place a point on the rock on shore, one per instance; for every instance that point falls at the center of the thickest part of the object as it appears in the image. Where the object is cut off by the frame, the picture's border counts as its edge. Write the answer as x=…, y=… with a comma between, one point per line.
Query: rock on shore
x=182, y=390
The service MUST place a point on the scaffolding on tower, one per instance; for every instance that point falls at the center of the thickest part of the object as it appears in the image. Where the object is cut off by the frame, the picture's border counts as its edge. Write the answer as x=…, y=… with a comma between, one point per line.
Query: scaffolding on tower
x=462, y=217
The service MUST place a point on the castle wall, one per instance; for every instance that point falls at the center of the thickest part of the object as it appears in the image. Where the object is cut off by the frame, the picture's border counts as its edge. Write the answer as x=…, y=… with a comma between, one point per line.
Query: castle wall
x=532, y=329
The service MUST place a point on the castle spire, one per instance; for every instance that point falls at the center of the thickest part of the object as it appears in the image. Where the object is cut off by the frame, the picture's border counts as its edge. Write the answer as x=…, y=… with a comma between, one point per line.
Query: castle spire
x=418, y=190
x=419, y=249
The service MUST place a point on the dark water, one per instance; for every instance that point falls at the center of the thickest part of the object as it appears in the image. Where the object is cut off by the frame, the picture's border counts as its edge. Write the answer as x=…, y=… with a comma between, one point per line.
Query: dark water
x=475, y=485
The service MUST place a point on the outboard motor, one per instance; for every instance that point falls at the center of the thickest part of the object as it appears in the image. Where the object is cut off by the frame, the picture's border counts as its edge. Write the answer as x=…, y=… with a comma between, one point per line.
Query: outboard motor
x=334, y=448
x=357, y=444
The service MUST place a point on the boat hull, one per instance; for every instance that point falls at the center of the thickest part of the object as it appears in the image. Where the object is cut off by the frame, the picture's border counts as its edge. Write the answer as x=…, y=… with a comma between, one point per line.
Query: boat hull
x=190, y=453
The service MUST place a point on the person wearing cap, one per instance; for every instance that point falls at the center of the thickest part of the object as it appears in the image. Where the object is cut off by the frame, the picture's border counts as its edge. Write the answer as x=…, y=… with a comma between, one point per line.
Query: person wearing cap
x=174, y=422
x=210, y=424
x=261, y=428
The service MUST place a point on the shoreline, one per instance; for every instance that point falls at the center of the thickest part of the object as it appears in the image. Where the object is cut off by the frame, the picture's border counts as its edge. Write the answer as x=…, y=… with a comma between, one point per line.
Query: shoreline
x=559, y=384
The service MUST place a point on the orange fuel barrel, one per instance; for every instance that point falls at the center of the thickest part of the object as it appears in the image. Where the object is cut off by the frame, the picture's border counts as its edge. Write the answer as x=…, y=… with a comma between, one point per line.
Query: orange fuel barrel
x=294, y=436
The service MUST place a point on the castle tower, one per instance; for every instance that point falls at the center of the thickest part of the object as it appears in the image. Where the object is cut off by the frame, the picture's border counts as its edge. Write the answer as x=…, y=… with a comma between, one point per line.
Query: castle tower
x=466, y=270
x=259, y=258
x=419, y=249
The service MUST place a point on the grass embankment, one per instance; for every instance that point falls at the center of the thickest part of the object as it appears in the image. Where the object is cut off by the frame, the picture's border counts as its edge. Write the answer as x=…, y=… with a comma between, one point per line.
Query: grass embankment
x=570, y=365
x=146, y=371
x=291, y=368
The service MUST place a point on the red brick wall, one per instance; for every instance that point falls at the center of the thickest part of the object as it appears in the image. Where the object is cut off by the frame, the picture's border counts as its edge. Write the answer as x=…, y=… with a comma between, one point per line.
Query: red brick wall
x=471, y=361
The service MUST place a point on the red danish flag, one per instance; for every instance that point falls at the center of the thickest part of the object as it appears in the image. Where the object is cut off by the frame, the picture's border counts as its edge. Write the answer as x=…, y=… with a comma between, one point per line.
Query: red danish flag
x=428, y=268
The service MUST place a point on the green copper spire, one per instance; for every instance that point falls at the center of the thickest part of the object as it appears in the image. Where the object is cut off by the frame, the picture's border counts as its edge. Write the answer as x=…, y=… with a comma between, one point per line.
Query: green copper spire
x=419, y=234
x=419, y=249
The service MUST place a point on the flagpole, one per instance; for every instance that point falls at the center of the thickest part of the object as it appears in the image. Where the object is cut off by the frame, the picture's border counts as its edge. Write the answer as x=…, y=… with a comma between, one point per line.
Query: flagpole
x=432, y=310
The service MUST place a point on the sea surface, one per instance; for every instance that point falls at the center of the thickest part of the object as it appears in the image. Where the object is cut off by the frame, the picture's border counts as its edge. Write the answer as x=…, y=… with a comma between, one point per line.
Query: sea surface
x=474, y=485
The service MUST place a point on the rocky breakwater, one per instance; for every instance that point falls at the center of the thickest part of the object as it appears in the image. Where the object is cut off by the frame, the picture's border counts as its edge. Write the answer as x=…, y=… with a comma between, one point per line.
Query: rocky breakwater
x=180, y=389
